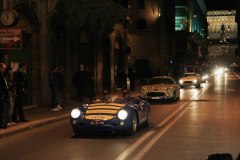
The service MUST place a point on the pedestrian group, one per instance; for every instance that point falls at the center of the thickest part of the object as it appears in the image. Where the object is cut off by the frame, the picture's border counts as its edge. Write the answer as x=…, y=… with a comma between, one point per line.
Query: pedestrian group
x=13, y=86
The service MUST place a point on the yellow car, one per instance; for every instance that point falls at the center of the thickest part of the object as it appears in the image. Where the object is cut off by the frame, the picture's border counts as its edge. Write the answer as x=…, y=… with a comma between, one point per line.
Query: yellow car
x=161, y=87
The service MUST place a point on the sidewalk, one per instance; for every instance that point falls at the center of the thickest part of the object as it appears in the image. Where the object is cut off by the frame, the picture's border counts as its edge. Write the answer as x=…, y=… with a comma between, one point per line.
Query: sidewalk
x=37, y=117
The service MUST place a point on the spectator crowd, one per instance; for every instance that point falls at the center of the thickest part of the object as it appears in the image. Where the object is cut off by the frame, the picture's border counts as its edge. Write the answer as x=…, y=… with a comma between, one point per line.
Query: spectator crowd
x=13, y=86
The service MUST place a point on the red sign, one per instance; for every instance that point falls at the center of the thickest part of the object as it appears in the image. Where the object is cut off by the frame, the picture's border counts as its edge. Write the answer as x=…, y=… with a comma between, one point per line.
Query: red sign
x=10, y=38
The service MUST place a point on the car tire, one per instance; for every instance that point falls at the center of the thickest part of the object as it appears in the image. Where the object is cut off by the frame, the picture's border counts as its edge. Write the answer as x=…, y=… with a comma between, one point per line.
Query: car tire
x=78, y=133
x=146, y=123
x=198, y=86
x=174, y=98
x=133, y=128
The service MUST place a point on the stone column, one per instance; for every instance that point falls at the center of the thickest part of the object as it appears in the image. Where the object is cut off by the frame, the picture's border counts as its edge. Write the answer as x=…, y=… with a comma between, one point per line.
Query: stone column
x=112, y=60
x=98, y=68
x=35, y=56
x=5, y=4
x=44, y=53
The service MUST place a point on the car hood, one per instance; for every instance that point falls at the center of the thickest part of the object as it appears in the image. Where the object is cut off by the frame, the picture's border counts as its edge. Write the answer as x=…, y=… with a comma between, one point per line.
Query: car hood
x=102, y=111
x=189, y=78
x=157, y=87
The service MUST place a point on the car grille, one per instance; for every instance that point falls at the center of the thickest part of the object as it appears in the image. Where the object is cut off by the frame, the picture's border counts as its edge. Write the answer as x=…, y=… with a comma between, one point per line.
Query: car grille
x=188, y=82
x=155, y=94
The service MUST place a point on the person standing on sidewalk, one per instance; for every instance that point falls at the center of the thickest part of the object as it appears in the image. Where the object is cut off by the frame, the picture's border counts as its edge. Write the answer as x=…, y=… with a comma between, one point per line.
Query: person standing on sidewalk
x=53, y=82
x=20, y=79
x=88, y=85
x=3, y=97
x=61, y=84
x=132, y=78
x=11, y=92
x=77, y=82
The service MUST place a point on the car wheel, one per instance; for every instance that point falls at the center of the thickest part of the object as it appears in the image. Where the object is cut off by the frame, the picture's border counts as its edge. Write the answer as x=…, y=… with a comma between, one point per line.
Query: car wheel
x=78, y=133
x=146, y=123
x=133, y=128
x=174, y=98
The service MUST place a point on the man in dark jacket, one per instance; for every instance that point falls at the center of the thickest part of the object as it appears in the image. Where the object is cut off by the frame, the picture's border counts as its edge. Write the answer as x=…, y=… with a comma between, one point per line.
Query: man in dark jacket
x=77, y=82
x=3, y=96
x=54, y=82
x=88, y=85
x=20, y=79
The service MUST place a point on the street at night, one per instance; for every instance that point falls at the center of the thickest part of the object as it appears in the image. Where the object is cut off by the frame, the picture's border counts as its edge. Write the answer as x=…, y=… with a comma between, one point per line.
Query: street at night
x=203, y=122
x=119, y=79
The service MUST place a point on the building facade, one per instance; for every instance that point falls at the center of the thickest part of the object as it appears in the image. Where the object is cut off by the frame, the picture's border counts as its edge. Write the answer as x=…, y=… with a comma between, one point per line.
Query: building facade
x=151, y=36
x=68, y=33
x=222, y=35
x=191, y=31
x=238, y=28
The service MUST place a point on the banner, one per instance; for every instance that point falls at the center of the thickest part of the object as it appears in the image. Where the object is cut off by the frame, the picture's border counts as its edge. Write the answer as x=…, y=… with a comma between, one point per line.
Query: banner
x=10, y=38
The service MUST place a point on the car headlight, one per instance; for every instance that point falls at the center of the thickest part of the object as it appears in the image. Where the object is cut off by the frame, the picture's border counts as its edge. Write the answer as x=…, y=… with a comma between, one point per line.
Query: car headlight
x=122, y=114
x=180, y=81
x=195, y=80
x=75, y=113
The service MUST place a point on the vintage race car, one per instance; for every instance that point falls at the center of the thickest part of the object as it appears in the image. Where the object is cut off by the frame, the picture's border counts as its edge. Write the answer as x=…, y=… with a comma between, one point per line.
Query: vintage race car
x=161, y=87
x=111, y=113
x=190, y=79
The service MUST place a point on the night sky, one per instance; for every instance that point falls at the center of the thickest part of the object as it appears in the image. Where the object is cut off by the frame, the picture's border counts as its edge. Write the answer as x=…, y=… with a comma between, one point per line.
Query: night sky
x=220, y=4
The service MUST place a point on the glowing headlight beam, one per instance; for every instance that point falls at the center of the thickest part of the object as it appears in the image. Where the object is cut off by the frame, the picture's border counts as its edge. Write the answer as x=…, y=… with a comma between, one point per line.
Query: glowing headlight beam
x=122, y=114
x=75, y=113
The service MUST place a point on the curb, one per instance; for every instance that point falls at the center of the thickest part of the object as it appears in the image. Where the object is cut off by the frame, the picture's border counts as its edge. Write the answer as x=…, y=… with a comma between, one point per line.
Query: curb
x=30, y=125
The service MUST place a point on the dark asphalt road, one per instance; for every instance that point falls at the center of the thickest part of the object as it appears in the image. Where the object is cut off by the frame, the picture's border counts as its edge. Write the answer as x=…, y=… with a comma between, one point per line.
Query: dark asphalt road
x=204, y=121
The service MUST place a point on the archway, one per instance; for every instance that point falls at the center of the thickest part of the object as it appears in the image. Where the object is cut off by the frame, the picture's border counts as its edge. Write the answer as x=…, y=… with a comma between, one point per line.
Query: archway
x=27, y=24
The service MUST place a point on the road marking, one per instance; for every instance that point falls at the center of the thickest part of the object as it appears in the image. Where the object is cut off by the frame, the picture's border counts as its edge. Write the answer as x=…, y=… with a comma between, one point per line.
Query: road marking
x=134, y=146
x=237, y=75
x=149, y=145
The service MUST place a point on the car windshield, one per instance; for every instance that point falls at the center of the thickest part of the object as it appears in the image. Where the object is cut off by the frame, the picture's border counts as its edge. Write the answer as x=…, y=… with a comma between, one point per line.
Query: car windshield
x=161, y=81
x=190, y=74
x=109, y=99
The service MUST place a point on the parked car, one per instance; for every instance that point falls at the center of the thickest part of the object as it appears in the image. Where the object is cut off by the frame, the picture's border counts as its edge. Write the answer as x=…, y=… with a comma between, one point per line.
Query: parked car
x=161, y=87
x=190, y=79
x=111, y=113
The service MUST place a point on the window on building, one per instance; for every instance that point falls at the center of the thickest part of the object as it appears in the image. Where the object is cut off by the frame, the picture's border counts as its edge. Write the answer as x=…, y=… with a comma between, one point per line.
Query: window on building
x=141, y=24
x=180, y=23
x=141, y=4
x=181, y=14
